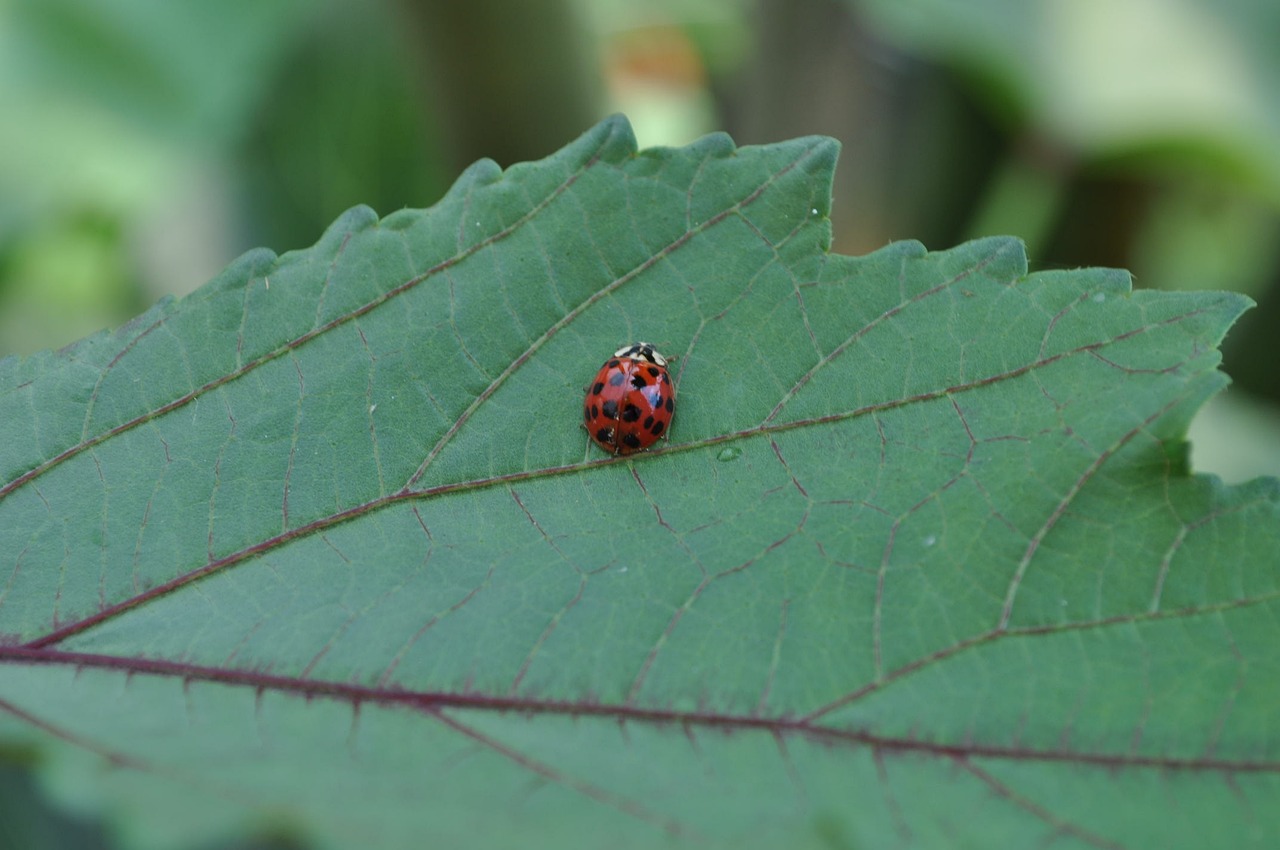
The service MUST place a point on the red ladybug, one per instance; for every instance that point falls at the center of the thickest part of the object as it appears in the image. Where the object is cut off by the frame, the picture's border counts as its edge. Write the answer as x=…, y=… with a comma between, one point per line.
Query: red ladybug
x=630, y=402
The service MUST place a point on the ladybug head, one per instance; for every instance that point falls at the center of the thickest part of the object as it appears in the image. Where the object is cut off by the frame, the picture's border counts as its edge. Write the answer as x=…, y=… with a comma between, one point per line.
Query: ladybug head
x=642, y=351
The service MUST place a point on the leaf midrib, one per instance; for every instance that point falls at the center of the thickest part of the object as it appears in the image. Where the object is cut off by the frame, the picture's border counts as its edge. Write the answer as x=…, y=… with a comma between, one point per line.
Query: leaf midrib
x=435, y=702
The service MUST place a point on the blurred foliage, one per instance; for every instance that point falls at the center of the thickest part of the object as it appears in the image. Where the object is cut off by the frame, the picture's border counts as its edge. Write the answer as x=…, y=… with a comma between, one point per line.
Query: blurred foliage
x=347, y=120
x=125, y=109
x=27, y=822
x=1096, y=132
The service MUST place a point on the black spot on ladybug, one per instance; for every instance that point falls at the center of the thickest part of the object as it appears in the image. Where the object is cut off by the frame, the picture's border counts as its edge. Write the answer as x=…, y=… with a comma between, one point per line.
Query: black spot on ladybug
x=658, y=427
x=589, y=413
x=648, y=422
x=631, y=441
x=597, y=389
x=655, y=400
x=612, y=364
x=616, y=379
x=630, y=413
x=671, y=405
x=655, y=372
x=604, y=435
x=638, y=381
x=610, y=409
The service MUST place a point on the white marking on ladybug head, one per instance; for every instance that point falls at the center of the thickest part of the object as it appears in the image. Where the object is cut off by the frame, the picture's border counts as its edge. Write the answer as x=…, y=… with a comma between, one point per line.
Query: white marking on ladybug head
x=642, y=351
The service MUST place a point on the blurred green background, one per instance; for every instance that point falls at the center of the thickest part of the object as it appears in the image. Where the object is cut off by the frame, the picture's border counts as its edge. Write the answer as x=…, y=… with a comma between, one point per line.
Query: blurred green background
x=149, y=142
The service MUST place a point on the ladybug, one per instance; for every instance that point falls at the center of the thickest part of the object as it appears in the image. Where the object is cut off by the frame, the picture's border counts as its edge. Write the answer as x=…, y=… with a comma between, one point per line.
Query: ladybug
x=630, y=402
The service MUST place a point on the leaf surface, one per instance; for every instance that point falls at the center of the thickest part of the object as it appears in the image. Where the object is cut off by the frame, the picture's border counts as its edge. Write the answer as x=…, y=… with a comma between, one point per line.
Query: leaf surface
x=321, y=548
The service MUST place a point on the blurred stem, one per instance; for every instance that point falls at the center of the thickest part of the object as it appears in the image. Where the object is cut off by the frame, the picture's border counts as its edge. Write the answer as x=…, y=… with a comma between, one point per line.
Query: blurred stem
x=1024, y=198
x=510, y=81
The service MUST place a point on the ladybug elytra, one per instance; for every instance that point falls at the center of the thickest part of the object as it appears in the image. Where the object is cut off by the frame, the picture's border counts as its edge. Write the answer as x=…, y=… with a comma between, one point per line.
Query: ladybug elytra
x=631, y=400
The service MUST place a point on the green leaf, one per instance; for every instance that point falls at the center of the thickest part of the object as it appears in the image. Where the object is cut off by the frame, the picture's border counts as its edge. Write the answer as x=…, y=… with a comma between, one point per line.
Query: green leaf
x=322, y=550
